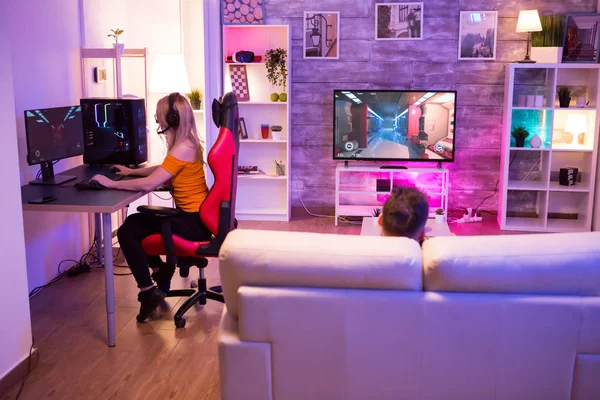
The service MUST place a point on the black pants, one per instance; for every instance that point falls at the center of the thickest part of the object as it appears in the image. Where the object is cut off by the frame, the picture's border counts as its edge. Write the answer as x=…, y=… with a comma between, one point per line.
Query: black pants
x=136, y=227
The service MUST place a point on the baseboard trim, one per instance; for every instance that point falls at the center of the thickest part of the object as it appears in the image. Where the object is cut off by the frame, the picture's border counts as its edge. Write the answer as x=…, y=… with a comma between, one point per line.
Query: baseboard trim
x=19, y=372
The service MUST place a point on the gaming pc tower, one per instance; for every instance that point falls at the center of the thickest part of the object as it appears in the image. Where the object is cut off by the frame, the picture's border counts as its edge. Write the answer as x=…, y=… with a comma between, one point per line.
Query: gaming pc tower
x=114, y=131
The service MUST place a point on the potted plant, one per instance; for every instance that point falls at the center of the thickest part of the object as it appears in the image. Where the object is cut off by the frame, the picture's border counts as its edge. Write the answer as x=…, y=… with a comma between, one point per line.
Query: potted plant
x=276, y=132
x=275, y=61
x=439, y=216
x=547, y=45
x=520, y=134
x=195, y=98
x=376, y=212
x=115, y=34
x=564, y=96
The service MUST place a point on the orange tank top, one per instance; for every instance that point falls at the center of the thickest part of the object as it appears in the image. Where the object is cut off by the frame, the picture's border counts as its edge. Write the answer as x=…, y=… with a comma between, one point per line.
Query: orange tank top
x=189, y=183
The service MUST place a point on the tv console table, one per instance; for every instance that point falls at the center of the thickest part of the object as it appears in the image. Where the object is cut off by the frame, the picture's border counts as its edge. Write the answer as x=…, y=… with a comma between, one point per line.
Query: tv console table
x=356, y=192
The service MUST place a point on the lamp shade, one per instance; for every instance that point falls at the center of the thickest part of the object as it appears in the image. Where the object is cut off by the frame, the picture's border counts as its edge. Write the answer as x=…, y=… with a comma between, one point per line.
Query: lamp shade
x=529, y=21
x=576, y=124
x=169, y=75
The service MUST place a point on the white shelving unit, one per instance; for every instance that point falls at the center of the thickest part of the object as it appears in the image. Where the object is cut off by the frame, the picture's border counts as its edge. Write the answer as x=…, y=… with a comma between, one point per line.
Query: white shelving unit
x=117, y=57
x=530, y=196
x=356, y=189
x=262, y=197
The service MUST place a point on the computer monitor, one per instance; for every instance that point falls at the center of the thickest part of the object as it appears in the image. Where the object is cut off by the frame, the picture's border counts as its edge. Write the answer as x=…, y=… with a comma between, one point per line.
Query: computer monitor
x=53, y=134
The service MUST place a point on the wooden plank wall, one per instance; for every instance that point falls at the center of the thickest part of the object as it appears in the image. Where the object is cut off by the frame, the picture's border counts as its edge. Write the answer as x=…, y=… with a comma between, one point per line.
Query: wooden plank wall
x=425, y=64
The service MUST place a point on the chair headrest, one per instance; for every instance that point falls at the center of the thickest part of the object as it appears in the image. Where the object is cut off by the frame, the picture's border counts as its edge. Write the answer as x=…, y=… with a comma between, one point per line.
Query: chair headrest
x=220, y=106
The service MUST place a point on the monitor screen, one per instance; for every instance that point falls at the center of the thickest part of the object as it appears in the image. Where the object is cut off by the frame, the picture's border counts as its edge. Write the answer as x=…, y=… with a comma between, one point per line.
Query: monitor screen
x=53, y=134
x=394, y=125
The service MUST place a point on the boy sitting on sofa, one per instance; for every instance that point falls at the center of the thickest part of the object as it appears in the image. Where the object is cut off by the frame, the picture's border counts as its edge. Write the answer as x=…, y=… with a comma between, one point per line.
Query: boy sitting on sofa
x=405, y=214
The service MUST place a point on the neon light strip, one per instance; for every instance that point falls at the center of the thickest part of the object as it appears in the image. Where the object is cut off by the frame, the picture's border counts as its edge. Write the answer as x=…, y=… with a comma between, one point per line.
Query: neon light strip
x=106, y=113
x=96, y=114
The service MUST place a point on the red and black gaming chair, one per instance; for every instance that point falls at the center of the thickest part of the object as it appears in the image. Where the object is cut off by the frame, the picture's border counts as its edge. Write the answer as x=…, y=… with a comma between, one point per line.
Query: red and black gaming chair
x=217, y=212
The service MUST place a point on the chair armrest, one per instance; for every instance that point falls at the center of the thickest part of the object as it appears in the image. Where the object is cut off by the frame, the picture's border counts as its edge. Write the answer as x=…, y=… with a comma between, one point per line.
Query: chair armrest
x=159, y=211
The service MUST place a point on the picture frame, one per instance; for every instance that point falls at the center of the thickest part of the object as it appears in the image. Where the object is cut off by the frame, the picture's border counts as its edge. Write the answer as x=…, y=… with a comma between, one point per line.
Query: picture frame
x=235, y=12
x=576, y=36
x=399, y=21
x=477, y=35
x=243, y=131
x=99, y=74
x=321, y=35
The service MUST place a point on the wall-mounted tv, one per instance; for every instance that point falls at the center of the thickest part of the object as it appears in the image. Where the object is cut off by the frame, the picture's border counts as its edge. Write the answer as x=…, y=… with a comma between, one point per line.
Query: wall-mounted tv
x=394, y=125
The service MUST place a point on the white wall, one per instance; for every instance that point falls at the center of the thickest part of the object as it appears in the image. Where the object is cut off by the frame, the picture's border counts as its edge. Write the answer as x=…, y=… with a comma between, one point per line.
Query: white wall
x=161, y=26
x=16, y=325
x=44, y=40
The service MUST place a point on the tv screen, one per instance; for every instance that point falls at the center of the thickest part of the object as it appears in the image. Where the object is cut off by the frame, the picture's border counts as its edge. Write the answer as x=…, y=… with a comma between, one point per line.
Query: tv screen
x=394, y=125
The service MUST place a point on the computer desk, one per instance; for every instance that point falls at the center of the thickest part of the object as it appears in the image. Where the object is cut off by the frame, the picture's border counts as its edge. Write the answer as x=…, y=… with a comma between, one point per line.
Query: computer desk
x=102, y=203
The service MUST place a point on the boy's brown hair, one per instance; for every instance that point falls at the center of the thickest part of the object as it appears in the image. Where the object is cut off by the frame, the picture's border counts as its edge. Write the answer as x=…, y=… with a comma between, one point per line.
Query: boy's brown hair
x=405, y=212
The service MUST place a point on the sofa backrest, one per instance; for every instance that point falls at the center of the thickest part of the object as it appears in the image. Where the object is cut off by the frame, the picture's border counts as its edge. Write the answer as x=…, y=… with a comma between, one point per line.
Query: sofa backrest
x=566, y=264
x=300, y=259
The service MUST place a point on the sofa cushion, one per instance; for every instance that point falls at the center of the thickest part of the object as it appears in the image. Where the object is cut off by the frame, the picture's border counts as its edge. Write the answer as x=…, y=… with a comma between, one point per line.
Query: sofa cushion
x=299, y=259
x=566, y=263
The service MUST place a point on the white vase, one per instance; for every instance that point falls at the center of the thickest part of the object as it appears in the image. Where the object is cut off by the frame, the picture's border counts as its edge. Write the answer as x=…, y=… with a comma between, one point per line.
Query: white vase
x=119, y=47
x=440, y=219
x=535, y=141
x=547, y=55
x=276, y=135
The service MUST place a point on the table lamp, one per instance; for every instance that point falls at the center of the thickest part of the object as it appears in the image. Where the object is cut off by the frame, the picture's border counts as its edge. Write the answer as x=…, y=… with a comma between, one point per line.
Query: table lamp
x=529, y=21
x=169, y=75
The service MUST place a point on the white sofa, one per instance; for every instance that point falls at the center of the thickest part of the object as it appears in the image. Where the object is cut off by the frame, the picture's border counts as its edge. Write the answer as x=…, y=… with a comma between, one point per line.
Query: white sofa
x=334, y=317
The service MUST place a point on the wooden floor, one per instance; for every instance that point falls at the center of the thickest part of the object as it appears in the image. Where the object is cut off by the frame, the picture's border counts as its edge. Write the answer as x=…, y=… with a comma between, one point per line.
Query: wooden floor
x=151, y=360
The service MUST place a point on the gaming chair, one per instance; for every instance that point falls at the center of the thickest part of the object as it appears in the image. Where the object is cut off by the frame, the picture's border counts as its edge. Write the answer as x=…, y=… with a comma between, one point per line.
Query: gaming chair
x=217, y=212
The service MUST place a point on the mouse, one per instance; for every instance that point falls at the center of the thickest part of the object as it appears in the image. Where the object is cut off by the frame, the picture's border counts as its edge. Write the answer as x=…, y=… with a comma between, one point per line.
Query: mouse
x=113, y=170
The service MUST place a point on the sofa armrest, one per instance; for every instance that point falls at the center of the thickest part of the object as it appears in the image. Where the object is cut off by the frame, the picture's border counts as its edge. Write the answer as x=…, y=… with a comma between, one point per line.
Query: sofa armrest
x=300, y=259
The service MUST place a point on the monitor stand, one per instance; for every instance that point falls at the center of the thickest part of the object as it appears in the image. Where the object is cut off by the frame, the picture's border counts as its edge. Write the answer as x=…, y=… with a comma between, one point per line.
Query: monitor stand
x=48, y=177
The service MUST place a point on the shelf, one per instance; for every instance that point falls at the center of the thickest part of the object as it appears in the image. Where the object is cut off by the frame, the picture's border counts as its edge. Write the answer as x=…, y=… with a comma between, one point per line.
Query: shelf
x=529, y=149
x=111, y=53
x=575, y=108
x=262, y=103
x=261, y=177
x=581, y=188
x=525, y=224
x=252, y=63
x=262, y=141
x=262, y=214
x=436, y=170
x=261, y=211
x=571, y=150
x=527, y=185
x=532, y=108
x=363, y=192
x=562, y=225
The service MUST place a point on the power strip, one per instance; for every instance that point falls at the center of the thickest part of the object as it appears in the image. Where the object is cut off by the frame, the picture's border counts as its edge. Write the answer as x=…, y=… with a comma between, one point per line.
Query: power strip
x=469, y=217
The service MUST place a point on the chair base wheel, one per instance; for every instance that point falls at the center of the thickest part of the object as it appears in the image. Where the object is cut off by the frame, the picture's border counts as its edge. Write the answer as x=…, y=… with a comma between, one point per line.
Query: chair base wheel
x=180, y=322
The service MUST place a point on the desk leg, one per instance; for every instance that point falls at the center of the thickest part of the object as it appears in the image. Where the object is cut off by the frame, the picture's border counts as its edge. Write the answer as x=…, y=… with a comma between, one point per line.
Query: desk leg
x=98, y=235
x=109, y=279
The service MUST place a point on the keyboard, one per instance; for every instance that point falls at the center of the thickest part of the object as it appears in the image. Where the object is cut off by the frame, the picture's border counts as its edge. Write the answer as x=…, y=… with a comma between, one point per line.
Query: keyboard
x=90, y=184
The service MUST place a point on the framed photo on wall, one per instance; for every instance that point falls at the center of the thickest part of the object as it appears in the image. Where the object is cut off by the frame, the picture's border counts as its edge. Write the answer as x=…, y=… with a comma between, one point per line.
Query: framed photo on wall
x=398, y=21
x=321, y=35
x=477, y=35
x=582, y=34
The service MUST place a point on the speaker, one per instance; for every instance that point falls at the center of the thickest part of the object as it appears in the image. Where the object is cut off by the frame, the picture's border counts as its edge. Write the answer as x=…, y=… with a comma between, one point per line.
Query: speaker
x=243, y=57
x=568, y=176
x=114, y=131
